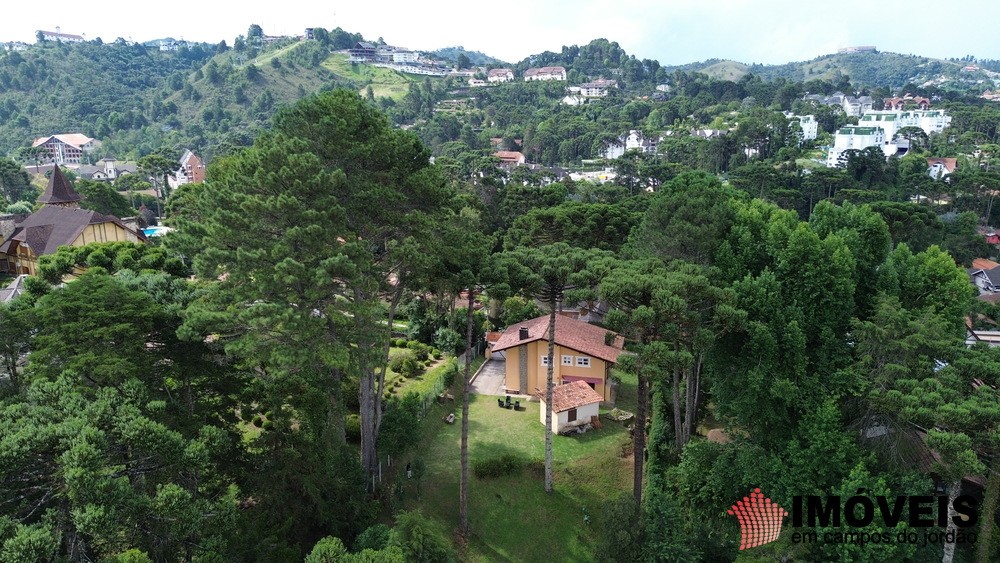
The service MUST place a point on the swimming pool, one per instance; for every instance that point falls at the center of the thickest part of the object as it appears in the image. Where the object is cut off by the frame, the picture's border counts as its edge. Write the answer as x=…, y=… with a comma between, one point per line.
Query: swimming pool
x=156, y=231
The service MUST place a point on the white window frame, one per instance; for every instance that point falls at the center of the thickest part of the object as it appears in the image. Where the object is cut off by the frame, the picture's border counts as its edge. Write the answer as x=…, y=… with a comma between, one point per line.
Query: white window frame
x=583, y=361
x=567, y=360
x=545, y=359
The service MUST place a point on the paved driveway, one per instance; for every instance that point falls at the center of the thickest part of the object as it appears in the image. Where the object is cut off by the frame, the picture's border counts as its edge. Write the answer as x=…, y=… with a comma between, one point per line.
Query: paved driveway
x=490, y=380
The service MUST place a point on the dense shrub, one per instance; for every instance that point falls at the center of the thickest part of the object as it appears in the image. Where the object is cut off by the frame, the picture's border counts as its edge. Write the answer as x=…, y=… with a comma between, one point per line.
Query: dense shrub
x=376, y=537
x=498, y=466
x=352, y=427
x=411, y=368
x=449, y=340
x=397, y=359
x=421, y=539
x=420, y=350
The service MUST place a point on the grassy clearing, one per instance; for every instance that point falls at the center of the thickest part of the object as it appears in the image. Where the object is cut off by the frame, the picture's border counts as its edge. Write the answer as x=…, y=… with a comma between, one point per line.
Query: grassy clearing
x=512, y=518
x=384, y=82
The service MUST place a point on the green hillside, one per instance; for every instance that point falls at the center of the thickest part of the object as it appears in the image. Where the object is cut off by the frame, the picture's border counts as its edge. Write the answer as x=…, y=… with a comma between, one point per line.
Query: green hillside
x=384, y=81
x=871, y=69
x=725, y=70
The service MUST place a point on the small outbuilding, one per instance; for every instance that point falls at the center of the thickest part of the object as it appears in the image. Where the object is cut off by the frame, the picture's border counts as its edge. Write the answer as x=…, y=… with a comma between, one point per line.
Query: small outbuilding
x=573, y=404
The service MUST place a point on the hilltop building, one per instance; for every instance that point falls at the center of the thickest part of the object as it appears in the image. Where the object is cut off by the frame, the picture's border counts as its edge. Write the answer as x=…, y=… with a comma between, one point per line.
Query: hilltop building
x=545, y=73
x=499, y=75
x=58, y=35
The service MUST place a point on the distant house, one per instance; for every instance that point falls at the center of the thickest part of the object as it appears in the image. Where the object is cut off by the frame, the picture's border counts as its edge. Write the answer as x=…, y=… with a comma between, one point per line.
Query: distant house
x=192, y=169
x=635, y=140
x=477, y=83
x=499, y=75
x=855, y=107
x=907, y=99
x=583, y=352
x=65, y=148
x=545, y=73
x=108, y=169
x=13, y=290
x=573, y=404
x=985, y=275
x=363, y=51
x=58, y=35
x=510, y=158
x=939, y=168
x=598, y=88
x=60, y=222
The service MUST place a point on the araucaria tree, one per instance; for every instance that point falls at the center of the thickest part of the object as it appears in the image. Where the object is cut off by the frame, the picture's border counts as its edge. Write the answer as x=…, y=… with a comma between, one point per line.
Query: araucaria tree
x=548, y=273
x=314, y=234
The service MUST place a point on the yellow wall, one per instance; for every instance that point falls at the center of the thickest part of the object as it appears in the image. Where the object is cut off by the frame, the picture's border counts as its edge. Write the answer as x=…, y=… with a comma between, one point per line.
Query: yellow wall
x=537, y=371
x=100, y=232
x=104, y=232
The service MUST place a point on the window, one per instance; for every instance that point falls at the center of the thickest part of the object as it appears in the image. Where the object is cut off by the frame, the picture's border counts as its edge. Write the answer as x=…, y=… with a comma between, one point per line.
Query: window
x=583, y=361
x=572, y=415
x=567, y=360
x=545, y=360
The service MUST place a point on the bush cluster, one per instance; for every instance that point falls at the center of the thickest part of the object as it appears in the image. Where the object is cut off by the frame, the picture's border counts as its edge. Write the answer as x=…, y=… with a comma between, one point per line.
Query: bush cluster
x=498, y=466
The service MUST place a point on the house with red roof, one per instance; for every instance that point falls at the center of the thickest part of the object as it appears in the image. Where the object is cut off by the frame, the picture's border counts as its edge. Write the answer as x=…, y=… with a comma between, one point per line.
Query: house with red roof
x=573, y=404
x=939, y=168
x=583, y=352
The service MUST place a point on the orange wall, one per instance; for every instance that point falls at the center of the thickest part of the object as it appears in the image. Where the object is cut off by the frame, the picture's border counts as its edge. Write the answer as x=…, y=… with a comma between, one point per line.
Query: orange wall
x=537, y=371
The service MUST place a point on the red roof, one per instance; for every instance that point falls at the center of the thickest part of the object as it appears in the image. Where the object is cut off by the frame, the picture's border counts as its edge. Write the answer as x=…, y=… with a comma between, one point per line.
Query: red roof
x=572, y=396
x=983, y=264
x=510, y=156
x=571, y=333
x=948, y=163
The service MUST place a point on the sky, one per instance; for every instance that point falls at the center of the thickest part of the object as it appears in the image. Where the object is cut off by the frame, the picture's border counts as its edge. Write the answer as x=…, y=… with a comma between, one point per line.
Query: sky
x=670, y=31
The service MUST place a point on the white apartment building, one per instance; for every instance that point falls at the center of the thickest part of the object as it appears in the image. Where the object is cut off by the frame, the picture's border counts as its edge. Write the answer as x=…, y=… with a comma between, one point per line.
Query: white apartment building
x=498, y=75
x=891, y=121
x=808, y=124
x=854, y=137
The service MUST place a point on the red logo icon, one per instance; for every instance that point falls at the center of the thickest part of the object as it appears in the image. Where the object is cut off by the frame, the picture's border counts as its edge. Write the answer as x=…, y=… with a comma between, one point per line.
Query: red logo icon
x=760, y=519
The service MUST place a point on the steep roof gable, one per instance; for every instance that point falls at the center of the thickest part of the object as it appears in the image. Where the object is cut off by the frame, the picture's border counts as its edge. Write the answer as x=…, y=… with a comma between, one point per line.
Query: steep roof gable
x=59, y=190
x=571, y=333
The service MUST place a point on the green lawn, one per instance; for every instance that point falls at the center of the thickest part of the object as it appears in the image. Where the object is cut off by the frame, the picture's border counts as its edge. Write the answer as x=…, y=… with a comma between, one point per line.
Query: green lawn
x=512, y=518
x=384, y=82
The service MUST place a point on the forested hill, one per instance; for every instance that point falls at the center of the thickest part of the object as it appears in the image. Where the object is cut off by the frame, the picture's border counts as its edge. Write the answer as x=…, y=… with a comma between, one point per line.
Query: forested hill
x=866, y=69
x=137, y=99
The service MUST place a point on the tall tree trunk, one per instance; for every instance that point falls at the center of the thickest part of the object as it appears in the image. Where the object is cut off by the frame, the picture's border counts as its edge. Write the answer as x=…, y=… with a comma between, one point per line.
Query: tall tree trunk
x=691, y=399
x=639, y=434
x=463, y=493
x=949, y=547
x=990, y=505
x=676, y=385
x=548, y=397
x=372, y=385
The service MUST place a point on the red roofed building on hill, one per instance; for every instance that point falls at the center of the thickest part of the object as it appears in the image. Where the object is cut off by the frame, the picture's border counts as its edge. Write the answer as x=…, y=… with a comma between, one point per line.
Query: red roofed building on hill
x=545, y=73
x=583, y=352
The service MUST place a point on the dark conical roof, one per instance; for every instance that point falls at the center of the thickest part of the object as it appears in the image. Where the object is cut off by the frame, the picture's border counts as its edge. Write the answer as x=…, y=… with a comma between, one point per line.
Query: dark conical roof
x=59, y=190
